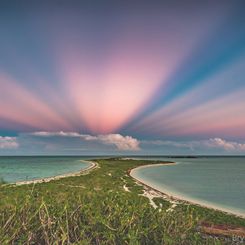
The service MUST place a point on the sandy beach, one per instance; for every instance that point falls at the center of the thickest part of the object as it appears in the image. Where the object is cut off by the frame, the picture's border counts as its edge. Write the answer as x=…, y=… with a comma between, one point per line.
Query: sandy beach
x=155, y=191
x=92, y=166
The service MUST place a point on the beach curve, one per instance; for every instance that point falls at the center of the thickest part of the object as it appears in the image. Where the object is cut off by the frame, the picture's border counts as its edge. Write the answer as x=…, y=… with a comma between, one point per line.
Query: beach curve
x=92, y=166
x=170, y=195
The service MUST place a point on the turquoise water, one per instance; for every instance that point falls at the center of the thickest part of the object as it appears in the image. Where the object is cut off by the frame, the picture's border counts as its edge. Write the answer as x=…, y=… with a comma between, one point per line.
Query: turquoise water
x=213, y=181
x=14, y=169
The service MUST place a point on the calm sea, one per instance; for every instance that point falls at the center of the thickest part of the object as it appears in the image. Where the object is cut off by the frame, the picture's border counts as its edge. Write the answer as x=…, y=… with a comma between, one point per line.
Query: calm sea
x=13, y=169
x=213, y=181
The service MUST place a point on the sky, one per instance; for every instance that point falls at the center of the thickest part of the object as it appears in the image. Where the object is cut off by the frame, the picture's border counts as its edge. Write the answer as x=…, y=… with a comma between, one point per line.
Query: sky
x=122, y=77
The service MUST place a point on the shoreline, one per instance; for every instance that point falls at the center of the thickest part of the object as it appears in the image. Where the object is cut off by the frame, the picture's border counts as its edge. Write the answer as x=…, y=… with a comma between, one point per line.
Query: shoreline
x=150, y=190
x=176, y=197
x=92, y=166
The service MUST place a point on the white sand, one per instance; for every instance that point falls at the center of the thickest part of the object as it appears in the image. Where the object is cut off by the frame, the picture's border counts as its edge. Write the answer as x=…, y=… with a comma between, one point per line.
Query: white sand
x=126, y=188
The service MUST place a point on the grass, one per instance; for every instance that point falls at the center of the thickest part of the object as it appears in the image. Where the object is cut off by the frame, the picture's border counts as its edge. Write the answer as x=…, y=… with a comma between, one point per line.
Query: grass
x=95, y=209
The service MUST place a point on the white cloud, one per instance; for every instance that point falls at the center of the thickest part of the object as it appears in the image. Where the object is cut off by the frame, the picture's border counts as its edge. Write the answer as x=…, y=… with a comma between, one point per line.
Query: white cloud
x=8, y=143
x=61, y=133
x=111, y=142
x=226, y=145
x=64, y=134
x=123, y=143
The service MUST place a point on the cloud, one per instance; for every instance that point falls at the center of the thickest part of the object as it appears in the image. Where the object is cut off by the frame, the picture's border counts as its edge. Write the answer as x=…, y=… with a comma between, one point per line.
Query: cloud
x=8, y=143
x=61, y=142
x=226, y=145
x=50, y=134
x=122, y=143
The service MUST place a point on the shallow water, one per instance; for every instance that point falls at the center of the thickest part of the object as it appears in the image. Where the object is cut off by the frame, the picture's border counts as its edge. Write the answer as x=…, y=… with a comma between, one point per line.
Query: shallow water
x=14, y=169
x=213, y=181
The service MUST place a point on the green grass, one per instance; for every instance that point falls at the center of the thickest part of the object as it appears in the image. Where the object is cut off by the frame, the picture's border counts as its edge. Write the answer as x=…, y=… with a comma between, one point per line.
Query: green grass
x=95, y=209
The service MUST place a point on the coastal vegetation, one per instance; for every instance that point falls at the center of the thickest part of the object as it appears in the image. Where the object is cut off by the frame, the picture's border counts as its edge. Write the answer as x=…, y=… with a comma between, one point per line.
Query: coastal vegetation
x=107, y=206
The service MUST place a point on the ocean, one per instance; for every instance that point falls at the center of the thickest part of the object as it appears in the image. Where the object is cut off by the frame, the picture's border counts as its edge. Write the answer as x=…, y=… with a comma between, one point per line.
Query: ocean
x=18, y=168
x=218, y=182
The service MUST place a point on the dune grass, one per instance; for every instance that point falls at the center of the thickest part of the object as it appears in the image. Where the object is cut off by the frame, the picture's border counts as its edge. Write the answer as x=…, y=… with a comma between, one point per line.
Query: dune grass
x=95, y=209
